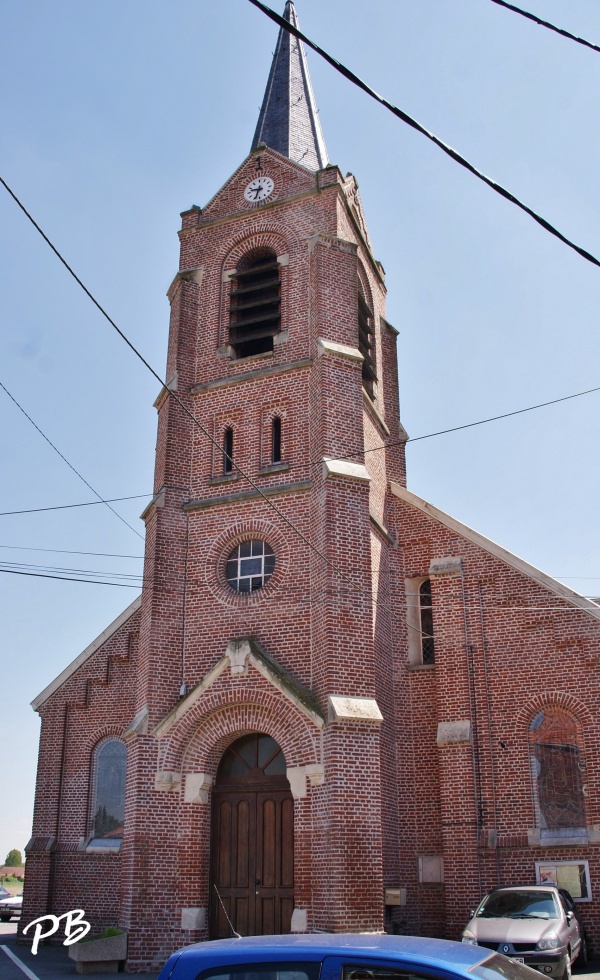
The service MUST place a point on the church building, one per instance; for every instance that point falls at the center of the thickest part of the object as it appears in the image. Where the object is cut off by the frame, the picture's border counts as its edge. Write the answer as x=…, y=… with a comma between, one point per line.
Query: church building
x=333, y=707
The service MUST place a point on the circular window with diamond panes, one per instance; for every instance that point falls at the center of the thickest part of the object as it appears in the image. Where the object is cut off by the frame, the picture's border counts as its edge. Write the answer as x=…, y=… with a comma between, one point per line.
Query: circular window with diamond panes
x=250, y=566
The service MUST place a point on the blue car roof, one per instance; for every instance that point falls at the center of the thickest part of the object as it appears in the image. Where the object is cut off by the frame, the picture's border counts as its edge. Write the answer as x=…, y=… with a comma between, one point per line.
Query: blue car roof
x=435, y=954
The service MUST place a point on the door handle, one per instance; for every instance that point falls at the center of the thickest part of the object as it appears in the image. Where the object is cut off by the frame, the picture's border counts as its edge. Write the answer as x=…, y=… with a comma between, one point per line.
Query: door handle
x=257, y=883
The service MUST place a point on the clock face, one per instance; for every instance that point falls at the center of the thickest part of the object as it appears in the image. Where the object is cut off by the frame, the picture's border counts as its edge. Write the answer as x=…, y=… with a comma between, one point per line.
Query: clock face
x=259, y=189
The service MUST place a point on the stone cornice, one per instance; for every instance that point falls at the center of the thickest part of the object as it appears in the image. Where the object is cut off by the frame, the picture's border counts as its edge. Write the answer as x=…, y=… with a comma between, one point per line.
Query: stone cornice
x=244, y=495
x=264, y=372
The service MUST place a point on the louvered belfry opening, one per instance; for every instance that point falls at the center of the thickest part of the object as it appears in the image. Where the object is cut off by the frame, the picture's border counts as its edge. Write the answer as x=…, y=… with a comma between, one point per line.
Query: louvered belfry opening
x=365, y=342
x=255, y=314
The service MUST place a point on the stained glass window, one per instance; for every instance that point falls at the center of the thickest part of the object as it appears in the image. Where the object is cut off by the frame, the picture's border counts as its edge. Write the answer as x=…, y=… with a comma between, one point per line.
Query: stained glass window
x=108, y=806
x=557, y=770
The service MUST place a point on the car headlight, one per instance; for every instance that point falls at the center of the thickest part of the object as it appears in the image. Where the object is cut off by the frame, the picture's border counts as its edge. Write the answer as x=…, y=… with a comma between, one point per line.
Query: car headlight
x=468, y=937
x=550, y=942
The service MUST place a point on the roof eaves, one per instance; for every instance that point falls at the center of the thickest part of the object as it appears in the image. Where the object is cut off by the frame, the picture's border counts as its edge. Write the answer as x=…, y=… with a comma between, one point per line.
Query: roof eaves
x=86, y=654
x=519, y=564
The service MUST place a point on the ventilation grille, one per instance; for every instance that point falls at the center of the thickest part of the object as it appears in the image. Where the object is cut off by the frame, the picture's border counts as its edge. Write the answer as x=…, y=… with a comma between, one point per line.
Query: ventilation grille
x=255, y=308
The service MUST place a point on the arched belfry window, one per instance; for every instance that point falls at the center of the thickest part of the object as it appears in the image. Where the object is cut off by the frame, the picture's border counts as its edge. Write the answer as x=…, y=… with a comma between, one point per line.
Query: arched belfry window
x=108, y=793
x=557, y=772
x=255, y=304
x=366, y=340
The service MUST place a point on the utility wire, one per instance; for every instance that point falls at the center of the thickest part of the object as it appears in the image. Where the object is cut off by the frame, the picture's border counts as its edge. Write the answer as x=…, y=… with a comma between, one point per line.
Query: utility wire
x=567, y=606
x=63, y=551
x=67, y=578
x=70, y=465
x=179, y=401
x=467, y=425
x=546, y=23
x=87, y=503
x=61, y=568
x=425, y=132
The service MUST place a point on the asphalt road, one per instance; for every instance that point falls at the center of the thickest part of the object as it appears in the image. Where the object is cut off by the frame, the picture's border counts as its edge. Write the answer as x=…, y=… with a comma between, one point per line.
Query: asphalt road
x=49, y=963
x=53, y=963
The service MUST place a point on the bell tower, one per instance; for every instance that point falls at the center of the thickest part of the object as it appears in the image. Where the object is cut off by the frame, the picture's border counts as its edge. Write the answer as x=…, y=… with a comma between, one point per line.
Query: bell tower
x=267, y=549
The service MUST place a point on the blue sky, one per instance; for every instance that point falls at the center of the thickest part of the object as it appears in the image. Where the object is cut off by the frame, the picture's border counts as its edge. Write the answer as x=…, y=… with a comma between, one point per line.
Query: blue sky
x=118, y=116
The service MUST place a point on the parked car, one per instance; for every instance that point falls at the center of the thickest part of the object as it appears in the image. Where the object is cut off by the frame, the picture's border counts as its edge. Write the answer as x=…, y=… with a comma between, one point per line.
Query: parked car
x=10, y=907
x=339, y=957
x=537, y=925
x=4, y=892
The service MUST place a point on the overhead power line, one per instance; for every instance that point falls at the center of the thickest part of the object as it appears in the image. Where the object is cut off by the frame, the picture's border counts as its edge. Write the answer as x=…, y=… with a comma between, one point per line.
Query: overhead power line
x=546, y=23
x=70, y=465
x=425, y=132
x=87, y=503
x=63, y=551
x=173, y=394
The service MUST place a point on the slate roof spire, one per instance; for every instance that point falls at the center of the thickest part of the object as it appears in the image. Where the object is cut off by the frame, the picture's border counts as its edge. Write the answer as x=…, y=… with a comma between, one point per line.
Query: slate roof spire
x=288, y=120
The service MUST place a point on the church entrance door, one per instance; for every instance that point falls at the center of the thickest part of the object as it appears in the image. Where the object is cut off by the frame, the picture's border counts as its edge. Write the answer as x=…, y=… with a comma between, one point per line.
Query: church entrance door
x=252, y=852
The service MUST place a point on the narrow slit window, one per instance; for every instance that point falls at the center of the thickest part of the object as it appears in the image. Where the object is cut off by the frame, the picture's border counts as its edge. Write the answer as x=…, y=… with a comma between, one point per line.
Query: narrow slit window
x=366, y=342
x=228, y=451
x=426, y=610
x=255, y=305
x=276, y=440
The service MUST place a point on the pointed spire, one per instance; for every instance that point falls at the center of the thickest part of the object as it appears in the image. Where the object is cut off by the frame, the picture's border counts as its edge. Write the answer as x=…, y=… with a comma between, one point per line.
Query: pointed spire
x=289, y=121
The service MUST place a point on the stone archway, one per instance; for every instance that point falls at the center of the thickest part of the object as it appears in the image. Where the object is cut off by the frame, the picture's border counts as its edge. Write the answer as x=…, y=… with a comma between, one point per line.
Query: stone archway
x=252, y=841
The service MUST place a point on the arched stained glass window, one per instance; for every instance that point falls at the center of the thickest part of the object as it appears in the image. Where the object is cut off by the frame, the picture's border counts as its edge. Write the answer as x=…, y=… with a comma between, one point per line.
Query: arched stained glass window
x=557, y=771
x=108, y=798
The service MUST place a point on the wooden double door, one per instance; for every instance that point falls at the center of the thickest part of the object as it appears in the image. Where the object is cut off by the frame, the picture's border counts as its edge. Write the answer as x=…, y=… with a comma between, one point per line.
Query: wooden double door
x=252, y=853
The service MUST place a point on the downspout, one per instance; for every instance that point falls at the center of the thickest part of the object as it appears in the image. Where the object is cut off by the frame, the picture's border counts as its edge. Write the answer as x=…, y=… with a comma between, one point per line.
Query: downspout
x=491, y=740
x=474, y=732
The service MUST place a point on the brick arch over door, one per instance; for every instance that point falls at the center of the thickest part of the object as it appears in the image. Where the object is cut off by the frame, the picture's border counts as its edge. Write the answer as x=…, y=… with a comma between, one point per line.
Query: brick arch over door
x=197, y=742
x=198, y=747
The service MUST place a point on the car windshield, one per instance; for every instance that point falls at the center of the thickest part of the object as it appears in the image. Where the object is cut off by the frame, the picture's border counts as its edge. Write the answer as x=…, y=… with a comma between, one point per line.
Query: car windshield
x=519, y=904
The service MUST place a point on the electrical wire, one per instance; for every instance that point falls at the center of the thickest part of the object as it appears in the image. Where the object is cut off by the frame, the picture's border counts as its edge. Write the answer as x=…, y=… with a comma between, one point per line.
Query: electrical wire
x=61, y=568
x=458, y=428
x=300, y=596
x=70, y=465
x=448, y=150
x=173, y=394
x=546, y=23
x=63, y=551
x=67, y=578
x=88, y=503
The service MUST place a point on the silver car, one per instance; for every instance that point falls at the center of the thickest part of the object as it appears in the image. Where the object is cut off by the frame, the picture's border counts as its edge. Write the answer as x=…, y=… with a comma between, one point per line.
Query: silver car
x=533, y=924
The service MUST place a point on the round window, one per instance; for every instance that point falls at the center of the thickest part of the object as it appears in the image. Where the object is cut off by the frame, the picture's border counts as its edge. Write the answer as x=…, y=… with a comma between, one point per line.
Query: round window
x=250, y=566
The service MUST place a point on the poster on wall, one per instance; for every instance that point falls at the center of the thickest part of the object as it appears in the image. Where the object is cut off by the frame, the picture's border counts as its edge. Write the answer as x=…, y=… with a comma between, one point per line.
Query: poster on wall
x=574, y=876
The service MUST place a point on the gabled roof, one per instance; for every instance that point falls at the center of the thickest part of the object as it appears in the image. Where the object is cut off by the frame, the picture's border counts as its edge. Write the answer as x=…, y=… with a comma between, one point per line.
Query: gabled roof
x=289, y=120
x=86, y=654
x=546, y=581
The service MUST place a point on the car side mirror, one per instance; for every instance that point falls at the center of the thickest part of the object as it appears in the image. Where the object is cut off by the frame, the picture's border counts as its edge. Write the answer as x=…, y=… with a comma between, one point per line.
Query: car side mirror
x=569, y=915
x=472, y=913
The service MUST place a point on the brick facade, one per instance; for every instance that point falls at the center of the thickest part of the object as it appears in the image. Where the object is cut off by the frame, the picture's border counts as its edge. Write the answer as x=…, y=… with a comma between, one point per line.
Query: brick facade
x=421, y=762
